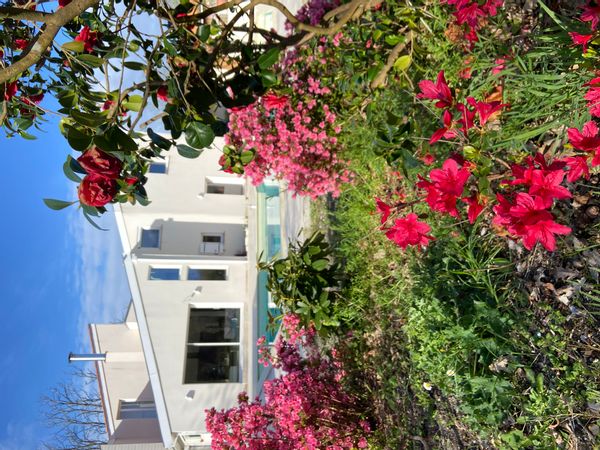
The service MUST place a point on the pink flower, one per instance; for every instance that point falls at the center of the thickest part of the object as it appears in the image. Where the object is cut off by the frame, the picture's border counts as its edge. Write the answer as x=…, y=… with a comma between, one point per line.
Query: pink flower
x=581, y=39
x=409, y=231
x=162, y=93
x=500, y=66
x=439, y=91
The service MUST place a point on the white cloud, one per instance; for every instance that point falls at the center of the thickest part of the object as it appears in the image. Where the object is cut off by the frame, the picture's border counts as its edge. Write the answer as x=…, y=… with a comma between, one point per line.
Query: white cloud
x=20, y=436
x=99, y=276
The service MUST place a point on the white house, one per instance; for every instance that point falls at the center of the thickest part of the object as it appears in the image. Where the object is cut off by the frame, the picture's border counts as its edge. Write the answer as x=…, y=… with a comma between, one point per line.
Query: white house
x=188, y=342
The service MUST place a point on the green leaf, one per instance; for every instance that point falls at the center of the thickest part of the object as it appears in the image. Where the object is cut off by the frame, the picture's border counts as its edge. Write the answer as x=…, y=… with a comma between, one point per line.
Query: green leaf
x=246, y=157
x=134, y=65
x=169, y=48
x=320, y=264
x=158, y=140
x=94, y=224
x=68, y=99
x=267, y=59
x=403, y=63
x=87, y=119
x=188, y=152
x=268, y=78
x=199, y=135
x=204, y=32
x=392, y=40
x=25, y=135
x=90, y=60
x=69, y=172
x=74, y=46
x=123, y=140
x=56, y=205
x=134, y=103
x=77, y=139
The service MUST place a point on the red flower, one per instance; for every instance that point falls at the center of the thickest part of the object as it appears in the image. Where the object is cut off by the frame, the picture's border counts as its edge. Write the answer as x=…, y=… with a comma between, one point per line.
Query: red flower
x=581, y=39
x=591, y=14
x=163, y=93
x=476, y=204
x=436, y=91
x=593, y=97
x=88, y=37
x=534, y=223
x=578, y=167
x=21, y=44
x=63, y=3
x=586, y=140
x=10, y=90
x=222, y=162
x=444, y=132
x=428, y=159
x=97, y=190
x=409, y=231
x=446, y=186
x=384, y=209
x=546, y=185
x=467, y=117
x=486, y=109
x=272, y=101
x=131, y=180
x=95, y=161
x=469, y=14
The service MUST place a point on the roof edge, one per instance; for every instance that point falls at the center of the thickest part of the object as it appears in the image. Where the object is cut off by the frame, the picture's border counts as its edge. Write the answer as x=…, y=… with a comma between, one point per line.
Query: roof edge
x=151, y=365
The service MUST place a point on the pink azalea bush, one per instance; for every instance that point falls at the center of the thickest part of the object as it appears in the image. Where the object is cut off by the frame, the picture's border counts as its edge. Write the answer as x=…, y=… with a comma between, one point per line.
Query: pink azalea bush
x=294, y=141
x=307, y=408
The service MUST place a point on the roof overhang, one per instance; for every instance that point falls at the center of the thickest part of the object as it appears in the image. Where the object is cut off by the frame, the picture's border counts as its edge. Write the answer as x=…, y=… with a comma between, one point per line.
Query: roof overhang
x=149, y=356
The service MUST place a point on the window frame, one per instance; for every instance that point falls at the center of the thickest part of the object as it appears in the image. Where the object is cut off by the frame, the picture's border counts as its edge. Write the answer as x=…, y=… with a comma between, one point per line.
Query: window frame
x=161, y=161
x=141, y=235
x=150, y=267
x=222, y=248
x=241, y=352
x=207, y=267
x=131, y=402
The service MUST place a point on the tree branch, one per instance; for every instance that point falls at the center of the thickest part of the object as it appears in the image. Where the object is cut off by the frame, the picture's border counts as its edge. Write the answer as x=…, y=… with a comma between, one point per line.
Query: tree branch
x=53, y=23
x=10, y=12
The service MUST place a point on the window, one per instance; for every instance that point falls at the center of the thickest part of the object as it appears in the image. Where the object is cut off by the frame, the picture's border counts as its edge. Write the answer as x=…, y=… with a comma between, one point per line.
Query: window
x=150, y=238
x=207, y=274
x=137, y=410
x=158, y=167
x=212, y=243
x=220, y=185
x=213, y=346
x=164, y=273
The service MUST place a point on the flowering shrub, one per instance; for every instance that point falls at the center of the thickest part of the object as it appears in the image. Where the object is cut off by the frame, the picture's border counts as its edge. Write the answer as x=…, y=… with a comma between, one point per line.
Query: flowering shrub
x=307, y=408
x=471, y=15
x=293, y=141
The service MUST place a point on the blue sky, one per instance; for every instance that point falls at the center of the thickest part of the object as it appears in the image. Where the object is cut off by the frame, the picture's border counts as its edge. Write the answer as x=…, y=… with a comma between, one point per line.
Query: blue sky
x=57, y=274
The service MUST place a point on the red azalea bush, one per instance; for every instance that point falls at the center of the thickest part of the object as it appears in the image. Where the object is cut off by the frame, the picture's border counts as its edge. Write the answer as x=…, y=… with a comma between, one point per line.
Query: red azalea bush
x=525, y=194
x=306, y=408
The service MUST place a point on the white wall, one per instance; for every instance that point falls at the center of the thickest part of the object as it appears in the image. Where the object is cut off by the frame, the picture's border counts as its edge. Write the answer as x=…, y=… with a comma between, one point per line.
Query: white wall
x=166, y=307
